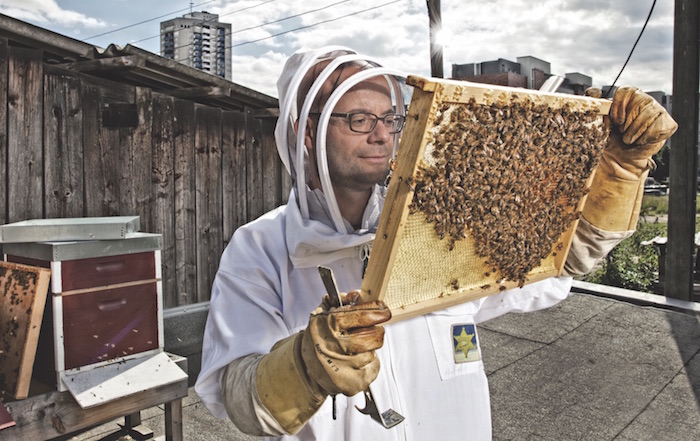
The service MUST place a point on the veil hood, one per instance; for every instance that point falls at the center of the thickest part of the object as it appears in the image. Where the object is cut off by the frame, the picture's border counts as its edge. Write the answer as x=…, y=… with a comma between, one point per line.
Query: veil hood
x=293, y=111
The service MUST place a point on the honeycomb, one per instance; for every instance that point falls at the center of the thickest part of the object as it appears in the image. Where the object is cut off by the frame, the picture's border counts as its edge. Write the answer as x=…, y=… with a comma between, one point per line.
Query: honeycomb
x=507, y=175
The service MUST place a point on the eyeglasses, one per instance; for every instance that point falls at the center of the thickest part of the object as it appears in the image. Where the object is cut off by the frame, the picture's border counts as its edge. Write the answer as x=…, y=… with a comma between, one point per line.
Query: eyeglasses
x=365, y=122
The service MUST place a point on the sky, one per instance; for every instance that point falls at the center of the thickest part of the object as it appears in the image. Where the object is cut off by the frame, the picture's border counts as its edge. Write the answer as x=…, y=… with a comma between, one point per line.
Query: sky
x=592, y=37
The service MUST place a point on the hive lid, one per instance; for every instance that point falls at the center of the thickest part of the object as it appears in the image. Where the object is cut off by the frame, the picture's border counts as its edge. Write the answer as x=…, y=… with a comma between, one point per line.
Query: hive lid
x=82, y=228
x=121, y=379
x=84, y=249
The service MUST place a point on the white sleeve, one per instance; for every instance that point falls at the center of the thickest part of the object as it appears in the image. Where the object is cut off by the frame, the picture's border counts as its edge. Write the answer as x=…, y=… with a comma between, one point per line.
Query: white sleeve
x=589, y=245
x=244, y=318
x=532, y=297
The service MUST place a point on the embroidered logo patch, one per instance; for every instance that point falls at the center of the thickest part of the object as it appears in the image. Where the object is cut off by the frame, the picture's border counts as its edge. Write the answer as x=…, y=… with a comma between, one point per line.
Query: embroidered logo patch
x=465, y=343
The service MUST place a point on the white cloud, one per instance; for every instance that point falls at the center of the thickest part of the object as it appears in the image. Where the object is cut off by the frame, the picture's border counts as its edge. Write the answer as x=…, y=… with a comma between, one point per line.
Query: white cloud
x=48, y=13
x=592, y=37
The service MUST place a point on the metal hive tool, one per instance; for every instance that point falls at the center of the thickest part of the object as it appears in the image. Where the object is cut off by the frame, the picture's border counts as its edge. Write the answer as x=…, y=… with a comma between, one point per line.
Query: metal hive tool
x=388, y=418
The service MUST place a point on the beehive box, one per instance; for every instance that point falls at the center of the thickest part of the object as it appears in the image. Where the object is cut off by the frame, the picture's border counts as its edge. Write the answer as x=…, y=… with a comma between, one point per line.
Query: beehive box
x=106, y=302
x=485, y=193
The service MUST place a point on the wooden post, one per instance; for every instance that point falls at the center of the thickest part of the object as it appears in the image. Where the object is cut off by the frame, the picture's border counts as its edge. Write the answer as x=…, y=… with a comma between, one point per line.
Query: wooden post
x=173, y=420
x=434, y=14
x=684, y=153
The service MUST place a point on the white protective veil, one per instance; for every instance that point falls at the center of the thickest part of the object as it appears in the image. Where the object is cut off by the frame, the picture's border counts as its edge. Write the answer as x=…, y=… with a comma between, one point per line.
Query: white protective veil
x=290, y=143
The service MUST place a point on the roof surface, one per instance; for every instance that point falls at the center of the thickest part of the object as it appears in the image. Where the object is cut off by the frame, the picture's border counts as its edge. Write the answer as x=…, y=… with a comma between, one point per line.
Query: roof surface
x=134, y=66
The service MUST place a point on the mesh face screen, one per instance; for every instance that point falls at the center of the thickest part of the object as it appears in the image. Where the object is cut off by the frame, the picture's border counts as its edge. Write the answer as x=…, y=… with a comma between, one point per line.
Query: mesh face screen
x=486, y=193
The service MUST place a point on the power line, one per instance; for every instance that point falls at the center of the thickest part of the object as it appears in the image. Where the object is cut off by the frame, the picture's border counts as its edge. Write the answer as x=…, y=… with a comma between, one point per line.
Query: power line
x=272, y=22
x=212, y=21
x=145, y=21
x=633, y=46
x=315, y=24
x=290, y=17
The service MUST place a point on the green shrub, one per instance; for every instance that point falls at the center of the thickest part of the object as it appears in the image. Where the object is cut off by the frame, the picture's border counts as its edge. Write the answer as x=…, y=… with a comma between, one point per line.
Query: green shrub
x=631, y=265
x=654, y=205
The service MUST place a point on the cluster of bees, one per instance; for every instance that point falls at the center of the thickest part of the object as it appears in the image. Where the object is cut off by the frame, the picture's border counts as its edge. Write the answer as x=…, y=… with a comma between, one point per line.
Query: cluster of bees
x=510, y=176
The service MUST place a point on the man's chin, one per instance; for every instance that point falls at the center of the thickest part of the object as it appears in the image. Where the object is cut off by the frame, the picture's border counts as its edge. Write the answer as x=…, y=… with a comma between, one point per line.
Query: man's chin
x=383, y=179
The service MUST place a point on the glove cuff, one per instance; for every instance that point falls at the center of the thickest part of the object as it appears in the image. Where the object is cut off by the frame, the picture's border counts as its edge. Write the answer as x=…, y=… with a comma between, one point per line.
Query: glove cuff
x=613, y=203
x=625, y=164
x=284, y=387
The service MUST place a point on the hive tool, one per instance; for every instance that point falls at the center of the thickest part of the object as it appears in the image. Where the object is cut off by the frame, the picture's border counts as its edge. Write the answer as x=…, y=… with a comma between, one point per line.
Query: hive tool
x=388, y=418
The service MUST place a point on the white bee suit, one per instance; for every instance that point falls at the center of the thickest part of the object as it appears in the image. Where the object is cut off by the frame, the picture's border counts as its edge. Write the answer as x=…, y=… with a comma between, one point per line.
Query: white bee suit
x=268, y=284
x=260, y=297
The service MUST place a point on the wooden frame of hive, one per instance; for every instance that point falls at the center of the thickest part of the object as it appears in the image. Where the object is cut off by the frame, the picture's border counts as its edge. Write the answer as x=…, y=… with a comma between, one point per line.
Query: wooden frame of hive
x=435, y=273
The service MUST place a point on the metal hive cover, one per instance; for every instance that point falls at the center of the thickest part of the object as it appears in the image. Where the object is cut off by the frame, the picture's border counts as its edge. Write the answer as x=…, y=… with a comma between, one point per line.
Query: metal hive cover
x=83, y=228
x=53, y=251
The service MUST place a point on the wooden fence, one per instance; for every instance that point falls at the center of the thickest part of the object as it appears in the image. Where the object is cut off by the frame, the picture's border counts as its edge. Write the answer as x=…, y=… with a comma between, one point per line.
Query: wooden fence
x=73, y=145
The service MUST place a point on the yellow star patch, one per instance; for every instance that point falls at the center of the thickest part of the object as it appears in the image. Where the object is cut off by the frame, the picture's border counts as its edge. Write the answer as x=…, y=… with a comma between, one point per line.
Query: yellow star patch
x=465, y=343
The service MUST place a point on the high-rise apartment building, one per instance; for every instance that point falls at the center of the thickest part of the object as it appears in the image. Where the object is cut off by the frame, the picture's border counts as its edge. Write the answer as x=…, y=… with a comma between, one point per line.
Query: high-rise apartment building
x=198, y=40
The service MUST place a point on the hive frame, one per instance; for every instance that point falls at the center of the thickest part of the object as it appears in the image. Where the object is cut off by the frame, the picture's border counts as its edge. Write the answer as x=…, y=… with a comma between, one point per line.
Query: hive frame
x=427, y=96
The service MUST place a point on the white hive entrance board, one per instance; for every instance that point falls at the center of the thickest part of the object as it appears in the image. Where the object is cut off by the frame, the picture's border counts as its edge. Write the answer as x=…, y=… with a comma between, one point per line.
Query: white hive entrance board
x=485, y=194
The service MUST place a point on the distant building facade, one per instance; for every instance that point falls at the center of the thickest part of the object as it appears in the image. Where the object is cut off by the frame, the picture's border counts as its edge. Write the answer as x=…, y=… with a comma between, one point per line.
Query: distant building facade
x=528, y=72
x=198, y=40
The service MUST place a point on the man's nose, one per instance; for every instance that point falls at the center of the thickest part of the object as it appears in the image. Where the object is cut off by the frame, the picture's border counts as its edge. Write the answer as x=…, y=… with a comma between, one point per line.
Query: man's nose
x=380, y=133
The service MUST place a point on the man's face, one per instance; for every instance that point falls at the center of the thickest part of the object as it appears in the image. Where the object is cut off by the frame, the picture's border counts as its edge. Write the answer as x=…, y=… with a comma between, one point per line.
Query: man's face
x=357, y=161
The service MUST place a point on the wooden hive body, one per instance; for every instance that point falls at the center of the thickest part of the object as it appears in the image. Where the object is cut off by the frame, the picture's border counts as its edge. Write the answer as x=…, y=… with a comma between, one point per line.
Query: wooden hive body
x=484, y=195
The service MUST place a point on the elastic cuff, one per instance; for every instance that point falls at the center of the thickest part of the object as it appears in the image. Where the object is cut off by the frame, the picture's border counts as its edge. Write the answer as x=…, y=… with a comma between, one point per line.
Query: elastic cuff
x=589, y=245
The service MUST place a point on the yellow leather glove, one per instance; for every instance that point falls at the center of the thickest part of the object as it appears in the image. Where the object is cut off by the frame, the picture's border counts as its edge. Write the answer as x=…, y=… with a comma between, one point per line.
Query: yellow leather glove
x=639, y=126
x=334, y=354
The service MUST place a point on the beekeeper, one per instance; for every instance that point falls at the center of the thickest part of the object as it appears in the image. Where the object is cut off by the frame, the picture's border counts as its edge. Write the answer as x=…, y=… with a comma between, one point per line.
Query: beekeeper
x=279, y=361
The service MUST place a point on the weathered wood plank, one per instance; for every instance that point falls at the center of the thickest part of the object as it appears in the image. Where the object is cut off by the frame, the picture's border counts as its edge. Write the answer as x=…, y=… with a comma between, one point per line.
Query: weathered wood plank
x=135, y=179
x=282, y=179
x=163, y=193
x=24, y=132
x=4, y=56
x=184, y=209
x=271, y=166
x=208, y=197
x=53, y=414
x=63, y=146
x=101, y=158
x=233, y=172
x=254, y=167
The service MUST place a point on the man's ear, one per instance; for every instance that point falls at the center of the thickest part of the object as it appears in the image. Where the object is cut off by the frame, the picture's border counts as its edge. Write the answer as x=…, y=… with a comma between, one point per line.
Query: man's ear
x=309, y=135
